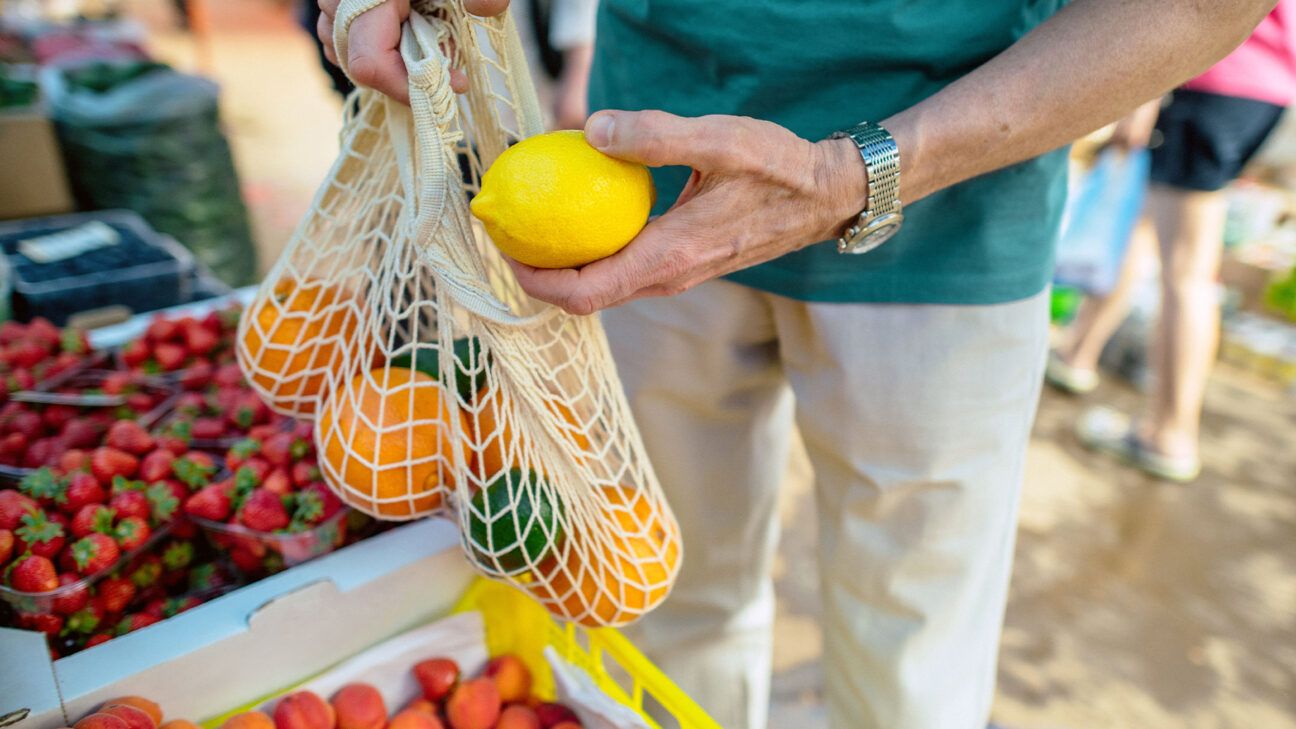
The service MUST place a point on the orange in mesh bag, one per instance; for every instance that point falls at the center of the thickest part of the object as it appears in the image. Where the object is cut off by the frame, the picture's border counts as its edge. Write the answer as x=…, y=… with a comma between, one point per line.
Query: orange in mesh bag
x=435, y=383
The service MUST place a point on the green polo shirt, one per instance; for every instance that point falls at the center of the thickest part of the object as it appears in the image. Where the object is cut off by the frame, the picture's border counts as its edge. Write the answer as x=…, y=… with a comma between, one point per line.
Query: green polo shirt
x=816, y=66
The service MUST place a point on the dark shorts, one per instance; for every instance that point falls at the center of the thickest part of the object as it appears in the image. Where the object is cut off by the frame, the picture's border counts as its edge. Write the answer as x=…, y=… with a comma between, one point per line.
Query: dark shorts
x=1206, y=139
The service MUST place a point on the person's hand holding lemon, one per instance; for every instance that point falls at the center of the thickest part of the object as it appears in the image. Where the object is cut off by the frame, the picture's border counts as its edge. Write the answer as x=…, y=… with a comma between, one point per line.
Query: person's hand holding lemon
x=572, y=213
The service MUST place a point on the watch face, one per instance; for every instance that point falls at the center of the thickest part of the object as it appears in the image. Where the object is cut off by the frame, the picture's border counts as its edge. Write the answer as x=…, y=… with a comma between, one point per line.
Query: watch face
x=875, y=234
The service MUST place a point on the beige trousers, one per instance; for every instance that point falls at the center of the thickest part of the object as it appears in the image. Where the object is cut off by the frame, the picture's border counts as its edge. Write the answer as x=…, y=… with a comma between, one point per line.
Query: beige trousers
x=916, y=420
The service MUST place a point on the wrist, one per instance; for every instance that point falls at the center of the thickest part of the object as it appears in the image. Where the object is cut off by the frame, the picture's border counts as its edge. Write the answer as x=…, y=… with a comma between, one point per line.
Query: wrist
x=845, y=182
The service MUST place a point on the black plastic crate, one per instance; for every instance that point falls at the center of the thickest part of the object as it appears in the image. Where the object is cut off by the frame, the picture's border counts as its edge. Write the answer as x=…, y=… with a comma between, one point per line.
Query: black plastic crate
x=144, y=271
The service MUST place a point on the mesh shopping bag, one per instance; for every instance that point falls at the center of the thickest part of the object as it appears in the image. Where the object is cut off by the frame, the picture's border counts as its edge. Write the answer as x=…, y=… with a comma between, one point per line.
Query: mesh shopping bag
x=435, y=383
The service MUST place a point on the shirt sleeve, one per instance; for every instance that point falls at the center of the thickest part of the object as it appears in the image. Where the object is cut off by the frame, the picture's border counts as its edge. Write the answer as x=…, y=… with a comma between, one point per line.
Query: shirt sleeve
x=572, y=23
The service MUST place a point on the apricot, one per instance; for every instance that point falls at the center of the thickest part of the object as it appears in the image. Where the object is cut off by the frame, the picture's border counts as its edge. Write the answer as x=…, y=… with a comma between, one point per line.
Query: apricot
x=359, y=706
x=134, y=718
x=474, y=704
x=518, y=716
x=303, y=710
x=437, y=676
x=101, y=721
x=148, y=707
x=511, y=676
x=423, y=705
x=415, y=719
x=249, y=720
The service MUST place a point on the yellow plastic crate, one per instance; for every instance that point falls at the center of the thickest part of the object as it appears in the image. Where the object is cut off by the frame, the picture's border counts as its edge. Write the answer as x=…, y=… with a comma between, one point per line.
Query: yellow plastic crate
x=515, y=623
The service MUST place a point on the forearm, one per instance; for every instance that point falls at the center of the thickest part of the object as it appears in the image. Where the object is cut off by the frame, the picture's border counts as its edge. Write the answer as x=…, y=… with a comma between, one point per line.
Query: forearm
x=1092, y=63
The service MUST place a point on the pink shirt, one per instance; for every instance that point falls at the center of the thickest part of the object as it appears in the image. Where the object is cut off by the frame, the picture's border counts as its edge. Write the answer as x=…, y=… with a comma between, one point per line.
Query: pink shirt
x=1263, y=67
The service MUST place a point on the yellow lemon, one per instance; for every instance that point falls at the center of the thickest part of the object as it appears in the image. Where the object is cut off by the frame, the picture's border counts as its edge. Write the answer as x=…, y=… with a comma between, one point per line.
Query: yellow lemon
x=553, y=201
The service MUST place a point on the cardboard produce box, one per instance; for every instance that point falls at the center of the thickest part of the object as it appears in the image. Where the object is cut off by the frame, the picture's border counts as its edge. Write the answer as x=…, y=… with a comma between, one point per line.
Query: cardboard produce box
x=34, y=181
x=252, y=641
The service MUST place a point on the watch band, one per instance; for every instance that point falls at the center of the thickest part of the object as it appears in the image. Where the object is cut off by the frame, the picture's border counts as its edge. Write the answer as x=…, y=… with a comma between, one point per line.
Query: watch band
x=881, y=218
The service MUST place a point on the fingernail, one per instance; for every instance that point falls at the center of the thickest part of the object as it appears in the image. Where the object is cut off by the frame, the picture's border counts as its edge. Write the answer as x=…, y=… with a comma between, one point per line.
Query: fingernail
x=599, y=131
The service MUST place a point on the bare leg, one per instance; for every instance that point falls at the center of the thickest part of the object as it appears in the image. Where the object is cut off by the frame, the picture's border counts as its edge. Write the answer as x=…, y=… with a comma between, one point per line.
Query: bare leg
x=1100, y=316
x=1190, y=226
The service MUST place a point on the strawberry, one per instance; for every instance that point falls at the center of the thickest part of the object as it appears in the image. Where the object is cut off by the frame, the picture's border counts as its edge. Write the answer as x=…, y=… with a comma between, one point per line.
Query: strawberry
x=329, y=501
x=98, y=639
x=177, y=605
x=57, y=416
x=304, y=472
x=194, y=469
x=44, y=451
x=156, y=608
x=94, y=552
x=45, y=486
x=26, y=354
x=12, y=507
x=140, y=402
x=277, y=482
x=129, y=436
x=20, y=379
x=245, y=561
x=228, y=376
x=47, y=623
x=238, y=453
x=136, y=353
x=105, y=463
x=15, y=443
x=208, y=428
x=80, y=433
x=156, y=466
x=257, y=467
x=248, y=410
x=197, y=375
x=263, y=511
x=162, y=329
x=169, y=357
x=164, y=498
x=134, y=622
x=33, y=573
x=86, y=619
x=131, y=532
x=72, y=599
x=211, y=502
x=11, y=331
x=115, y=593
x=39, y=535
x=308, y=510
x=6, y=545
x=74, y=460
x=147, y=571
x=28, y=423
x=177, y=555
x=304, y=430
x=175, y=437
x=74, y=341
x=200, y=341
x=92, y=519
x=82, y=489
x=130, y=503
x=43, y=331
x=283, y=449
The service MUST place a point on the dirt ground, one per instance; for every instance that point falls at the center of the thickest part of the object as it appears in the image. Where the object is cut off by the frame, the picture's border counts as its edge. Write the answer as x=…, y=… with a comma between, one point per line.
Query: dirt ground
x=1133, y=604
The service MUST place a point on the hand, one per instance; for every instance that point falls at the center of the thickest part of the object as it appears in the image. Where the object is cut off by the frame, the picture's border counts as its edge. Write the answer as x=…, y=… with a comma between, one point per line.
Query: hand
x=571, y=105
x=757, y=191
x=373, y=54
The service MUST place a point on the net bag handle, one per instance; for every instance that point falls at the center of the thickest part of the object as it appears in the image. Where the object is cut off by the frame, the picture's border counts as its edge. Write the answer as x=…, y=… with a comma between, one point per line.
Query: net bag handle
x=425, y=158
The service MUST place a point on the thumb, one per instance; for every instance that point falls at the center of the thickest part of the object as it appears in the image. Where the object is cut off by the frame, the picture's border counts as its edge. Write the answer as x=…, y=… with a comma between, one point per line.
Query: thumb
x=657, y=139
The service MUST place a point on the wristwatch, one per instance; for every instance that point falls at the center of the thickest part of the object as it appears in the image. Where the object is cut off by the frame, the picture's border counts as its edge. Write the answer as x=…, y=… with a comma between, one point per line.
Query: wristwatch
x=881, y=218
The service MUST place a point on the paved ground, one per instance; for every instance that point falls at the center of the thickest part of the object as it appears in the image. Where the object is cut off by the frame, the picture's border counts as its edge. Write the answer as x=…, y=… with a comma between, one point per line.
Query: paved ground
x=1134, y=604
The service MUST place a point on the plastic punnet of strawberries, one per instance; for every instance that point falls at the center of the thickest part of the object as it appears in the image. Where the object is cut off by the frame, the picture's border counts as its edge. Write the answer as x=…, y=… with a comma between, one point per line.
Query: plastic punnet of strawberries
x=85, y=543
x=30, y=353
x=273, y=510
x=190, y=346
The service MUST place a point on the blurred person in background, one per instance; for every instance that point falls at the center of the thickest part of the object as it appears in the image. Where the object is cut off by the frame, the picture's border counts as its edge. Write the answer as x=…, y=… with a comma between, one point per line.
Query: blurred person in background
x=912, y=371
x=1207, y=132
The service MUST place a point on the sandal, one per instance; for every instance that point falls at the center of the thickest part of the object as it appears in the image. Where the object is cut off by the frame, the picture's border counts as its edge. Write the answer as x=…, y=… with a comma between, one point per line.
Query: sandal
x=1107, y=430
x=1069, y=379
